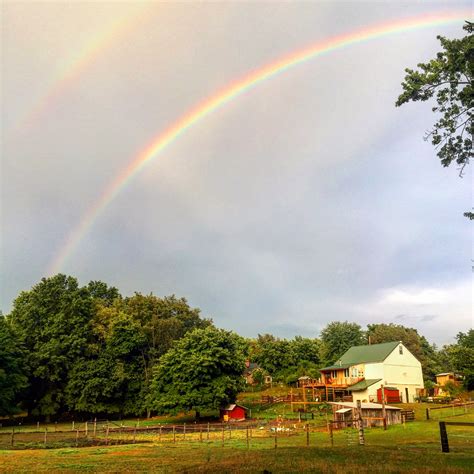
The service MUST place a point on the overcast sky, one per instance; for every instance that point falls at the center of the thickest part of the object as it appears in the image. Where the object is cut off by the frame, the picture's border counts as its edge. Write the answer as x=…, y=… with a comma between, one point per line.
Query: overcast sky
x=308, y=199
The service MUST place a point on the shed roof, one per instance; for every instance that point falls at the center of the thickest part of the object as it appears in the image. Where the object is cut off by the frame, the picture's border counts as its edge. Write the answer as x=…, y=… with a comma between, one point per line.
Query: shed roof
x=364, y=405
x=368, y=353
x=232, y=406
x=336, y=366
x=362, y=385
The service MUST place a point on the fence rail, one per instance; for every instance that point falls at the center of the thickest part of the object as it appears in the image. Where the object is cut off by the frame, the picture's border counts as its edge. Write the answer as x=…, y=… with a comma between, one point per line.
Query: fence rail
x=107, y=434
x=443, y=432
x=454, y=407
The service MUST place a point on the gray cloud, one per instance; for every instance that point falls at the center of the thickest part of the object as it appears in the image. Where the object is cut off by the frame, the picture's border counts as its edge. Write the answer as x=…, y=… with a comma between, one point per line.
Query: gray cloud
x=298, y=203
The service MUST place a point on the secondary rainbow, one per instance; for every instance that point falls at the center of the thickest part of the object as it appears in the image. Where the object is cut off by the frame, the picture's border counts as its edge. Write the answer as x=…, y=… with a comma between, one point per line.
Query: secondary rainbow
x=72, y=70
x=229, y=93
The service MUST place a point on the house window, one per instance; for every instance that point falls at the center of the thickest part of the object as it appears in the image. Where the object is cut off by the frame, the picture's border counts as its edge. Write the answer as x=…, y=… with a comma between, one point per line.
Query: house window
x=346, y=372
x=354, y=371
x=334, y=374
x=400, y=349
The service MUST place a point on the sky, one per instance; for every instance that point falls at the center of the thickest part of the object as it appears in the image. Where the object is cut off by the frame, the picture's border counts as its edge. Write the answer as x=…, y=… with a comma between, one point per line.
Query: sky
x=308, y=198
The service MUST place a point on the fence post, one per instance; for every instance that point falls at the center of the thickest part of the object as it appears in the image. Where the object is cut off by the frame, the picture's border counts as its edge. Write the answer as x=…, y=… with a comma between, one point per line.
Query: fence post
x=86, y=429
x=427, y=413
x=95, y=426
x=443, y=434
x=134, y=434
x=174, y=434
x=200, y=433
x=159, y=436
x=38, y=425
x=13, y=436
x=307, y=434
x=361, y=424
x=45, y=436
x=276, y=436
x=107, y=435
x=230, y=431
x=208, y=431
x=72, y=429
x=247, y=437
x=77, y=438
x=331, y=434
x=223, y=434
x=184, y=431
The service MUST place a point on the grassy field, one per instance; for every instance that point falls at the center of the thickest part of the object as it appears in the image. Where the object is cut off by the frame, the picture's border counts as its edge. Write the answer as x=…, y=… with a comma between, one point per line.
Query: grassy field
x=414, y=447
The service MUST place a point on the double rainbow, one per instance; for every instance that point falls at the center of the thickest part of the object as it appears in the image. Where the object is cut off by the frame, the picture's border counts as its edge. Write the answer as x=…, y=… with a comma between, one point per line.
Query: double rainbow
x=164, y=139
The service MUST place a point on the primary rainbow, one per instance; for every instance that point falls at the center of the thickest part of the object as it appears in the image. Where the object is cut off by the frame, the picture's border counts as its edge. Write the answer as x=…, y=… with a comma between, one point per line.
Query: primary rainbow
x=229, y=93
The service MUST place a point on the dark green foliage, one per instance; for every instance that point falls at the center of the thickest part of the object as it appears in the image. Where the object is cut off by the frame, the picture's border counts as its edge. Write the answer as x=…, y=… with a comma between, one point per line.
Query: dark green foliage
x=88, y=350
x=448, y=79
x=110, y=379
x=461, y=356
x=12, y=374
x=337, y=337
x=202, y=371
x=130, y=335
x=53, y=322
x=286, y=360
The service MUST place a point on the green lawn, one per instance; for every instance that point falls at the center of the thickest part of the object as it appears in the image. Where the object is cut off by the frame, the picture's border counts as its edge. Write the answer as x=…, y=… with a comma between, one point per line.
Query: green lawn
x=413, y=448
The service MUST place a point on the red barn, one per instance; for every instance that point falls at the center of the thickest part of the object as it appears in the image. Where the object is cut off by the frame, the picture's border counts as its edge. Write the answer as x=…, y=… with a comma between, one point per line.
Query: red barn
x=233, y=412
x=392, y=395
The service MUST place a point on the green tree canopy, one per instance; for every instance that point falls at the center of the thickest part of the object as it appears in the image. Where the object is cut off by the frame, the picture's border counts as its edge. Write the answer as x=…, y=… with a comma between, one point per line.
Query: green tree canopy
x=12, y=373
x=337, y=337
x=202, y=371
x=53, y=322
x=129, y=336
x=448, y=79
x=461, y=356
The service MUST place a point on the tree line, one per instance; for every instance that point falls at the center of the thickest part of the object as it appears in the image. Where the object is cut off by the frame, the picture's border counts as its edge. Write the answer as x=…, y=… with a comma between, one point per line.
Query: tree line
x=67, y=349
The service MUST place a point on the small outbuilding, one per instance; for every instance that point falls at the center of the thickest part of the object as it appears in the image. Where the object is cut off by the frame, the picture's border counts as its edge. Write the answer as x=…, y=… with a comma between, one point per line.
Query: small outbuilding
x=372, y=413
x=233, y=412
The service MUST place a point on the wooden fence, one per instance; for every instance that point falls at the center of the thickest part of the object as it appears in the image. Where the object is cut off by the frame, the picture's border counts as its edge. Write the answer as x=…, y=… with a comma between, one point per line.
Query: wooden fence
x=110, y=433
x=443, y=432
x=453, y=409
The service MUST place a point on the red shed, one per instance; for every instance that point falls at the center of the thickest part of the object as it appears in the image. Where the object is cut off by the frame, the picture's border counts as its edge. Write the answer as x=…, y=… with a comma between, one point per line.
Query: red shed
x=233, y=412
x=392, y=395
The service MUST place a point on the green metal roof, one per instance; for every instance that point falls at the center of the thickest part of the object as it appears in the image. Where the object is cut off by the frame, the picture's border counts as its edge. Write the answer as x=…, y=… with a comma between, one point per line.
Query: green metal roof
x=366, y=354
x=362, y=385
x=336, y=366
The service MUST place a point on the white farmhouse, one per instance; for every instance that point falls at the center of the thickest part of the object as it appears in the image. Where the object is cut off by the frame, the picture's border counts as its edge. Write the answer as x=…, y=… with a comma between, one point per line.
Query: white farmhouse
x=362, y=370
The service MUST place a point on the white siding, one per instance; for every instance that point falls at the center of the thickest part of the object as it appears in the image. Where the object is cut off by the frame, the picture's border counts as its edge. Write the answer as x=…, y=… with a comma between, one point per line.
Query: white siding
x=374, y=371
x=404, y=372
